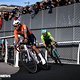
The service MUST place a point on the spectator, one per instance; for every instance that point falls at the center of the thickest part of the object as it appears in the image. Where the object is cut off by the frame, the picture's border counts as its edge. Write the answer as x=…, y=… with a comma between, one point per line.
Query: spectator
x=14, y=11
x=2, y=46
x=11, y=15
x=6, y=15
x=55, y=3
x=41, y=5
x=44, y=5
x=77, y=1
x=49, y=4
x=1, y=21
x=70, y=2
x=30, y=9
x=24, y=11
x=38, y=5
x=35, y=11
x=62, y=2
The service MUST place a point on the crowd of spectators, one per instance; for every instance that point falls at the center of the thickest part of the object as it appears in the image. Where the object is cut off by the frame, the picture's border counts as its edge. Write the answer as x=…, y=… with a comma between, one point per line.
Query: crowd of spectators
x=35, y=8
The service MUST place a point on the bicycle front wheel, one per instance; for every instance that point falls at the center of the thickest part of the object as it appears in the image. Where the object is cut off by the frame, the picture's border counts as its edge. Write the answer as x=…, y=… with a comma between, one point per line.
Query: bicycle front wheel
x=54, y=53
x=45, y=66
x=28, y=62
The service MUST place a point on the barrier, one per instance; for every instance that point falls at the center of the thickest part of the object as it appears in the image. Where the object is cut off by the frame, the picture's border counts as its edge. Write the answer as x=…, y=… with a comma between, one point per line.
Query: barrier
x=6, y=46
x=17, y=54
x=70, y=43
x=73, y=42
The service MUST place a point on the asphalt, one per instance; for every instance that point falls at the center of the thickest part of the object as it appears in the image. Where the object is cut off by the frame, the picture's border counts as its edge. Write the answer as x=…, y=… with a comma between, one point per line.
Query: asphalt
x=55, y=72
x=7, y=69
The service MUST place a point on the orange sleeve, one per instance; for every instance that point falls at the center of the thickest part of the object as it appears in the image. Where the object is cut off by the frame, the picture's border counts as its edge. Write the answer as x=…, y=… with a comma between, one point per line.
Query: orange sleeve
x=16, y=36
x=24, y=26
x=25, y=31
x=1, y=22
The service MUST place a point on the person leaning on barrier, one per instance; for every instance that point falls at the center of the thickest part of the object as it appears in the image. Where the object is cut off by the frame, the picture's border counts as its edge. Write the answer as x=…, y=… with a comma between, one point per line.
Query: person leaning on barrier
x=28, y=37
x=48, y=40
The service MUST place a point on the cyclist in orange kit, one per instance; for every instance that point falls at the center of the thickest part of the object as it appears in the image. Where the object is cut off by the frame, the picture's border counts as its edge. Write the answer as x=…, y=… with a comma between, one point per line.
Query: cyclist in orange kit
x=28, y=36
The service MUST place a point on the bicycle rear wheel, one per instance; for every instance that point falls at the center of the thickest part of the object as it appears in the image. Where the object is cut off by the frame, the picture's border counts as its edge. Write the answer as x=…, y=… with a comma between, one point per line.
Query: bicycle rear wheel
x=29, y=64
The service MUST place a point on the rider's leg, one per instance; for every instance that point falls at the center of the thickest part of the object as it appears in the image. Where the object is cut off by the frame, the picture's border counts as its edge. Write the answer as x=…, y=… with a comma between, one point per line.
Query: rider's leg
x=53, y=58
x=33, y=42
x=35, y=57
x=55, y=50
x=46, y=54
x=16, y=54
x=52, y=54
x=39, y=54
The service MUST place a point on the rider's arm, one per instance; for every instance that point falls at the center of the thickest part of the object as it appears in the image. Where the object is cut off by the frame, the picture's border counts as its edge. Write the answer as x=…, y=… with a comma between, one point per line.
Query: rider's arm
x=25, y=32
x=43, y=41
x=16, y=36
x=51, y=37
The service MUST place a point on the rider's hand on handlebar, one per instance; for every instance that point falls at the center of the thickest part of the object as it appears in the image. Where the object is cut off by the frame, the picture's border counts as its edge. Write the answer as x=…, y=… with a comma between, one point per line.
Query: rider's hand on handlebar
x=16, y=46
x=56, y=44
x=25, y=40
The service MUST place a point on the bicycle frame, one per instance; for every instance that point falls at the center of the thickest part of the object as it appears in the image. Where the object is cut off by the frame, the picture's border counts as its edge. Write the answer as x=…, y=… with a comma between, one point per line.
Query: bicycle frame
x=25, y=47
x=50, y=50
x=30, y=53
x=19, y=51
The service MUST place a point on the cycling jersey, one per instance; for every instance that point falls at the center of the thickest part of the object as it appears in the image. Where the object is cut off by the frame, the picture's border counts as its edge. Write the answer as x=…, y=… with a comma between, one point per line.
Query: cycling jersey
x=30, y=35
x=47, y=39
x=21, y=30
x=1, y=22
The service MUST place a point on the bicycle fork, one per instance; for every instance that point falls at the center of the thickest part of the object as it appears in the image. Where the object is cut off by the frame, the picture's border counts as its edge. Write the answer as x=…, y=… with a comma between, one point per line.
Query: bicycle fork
x=31, y=53
x=34, y=56
x=27, y=52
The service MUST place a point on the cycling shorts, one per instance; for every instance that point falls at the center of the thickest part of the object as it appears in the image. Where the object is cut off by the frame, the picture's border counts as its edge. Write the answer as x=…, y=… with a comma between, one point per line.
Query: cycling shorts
x=31, y=40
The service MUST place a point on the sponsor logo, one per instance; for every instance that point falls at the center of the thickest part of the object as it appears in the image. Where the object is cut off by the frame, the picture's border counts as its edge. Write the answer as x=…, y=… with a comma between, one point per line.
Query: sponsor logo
x=4, y=76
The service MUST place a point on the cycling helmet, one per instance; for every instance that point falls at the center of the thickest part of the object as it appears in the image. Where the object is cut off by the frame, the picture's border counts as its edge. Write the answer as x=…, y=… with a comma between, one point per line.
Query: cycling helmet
x=43, y=31
x=16, y=22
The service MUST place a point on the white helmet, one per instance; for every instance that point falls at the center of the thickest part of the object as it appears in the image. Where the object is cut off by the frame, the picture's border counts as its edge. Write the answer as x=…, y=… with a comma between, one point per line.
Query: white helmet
x=16, y=22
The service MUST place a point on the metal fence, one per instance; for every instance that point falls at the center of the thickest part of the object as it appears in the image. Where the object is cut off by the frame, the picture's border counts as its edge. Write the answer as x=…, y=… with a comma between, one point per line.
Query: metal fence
x=63, y=23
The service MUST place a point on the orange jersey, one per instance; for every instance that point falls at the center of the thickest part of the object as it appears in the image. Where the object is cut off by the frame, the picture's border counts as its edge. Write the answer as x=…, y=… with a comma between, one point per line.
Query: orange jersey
x=20, y=31
x=1, y=22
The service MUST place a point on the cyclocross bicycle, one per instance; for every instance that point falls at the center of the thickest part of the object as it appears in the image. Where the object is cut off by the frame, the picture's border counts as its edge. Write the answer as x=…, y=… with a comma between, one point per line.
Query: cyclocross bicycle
x=28, y=58
x=54, y=54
